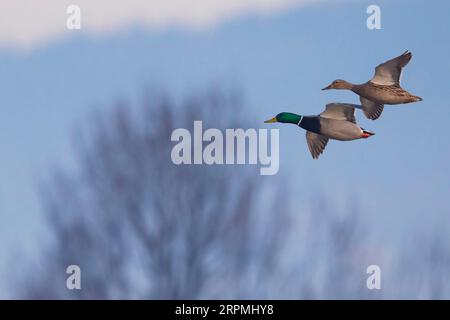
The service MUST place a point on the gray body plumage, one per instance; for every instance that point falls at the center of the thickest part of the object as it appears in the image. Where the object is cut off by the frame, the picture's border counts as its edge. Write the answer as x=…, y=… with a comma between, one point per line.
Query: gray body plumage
x=339, y=129
x=336, y=122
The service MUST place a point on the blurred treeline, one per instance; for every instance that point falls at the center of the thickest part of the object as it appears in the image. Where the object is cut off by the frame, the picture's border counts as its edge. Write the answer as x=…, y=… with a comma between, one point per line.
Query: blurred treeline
x=141, y=227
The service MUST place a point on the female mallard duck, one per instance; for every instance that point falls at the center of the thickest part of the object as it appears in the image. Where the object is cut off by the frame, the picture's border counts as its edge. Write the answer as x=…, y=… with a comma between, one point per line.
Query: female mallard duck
x=336, y=122
x=383, y=88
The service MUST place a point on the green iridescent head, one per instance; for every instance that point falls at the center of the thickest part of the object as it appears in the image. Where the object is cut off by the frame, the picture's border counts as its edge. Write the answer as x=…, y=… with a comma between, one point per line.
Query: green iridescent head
x=286, y=117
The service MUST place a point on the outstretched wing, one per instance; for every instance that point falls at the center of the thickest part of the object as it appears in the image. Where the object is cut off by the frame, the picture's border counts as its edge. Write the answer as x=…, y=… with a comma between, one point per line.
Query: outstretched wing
x=340, y=111
x=316, y=143
x=371, y=109
x=389, y=73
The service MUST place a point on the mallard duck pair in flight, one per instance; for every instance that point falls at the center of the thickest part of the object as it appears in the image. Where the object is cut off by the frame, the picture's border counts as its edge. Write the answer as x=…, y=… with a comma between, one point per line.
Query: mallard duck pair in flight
x=338, y=120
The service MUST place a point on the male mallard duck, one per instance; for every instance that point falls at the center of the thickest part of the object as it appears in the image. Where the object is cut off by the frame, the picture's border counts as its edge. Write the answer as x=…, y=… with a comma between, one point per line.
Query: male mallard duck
x=336, y=122
x=383, y=88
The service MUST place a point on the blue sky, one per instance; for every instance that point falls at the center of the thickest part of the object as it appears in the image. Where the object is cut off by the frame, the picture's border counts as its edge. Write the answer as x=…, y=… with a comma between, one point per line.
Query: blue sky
x=281, y=61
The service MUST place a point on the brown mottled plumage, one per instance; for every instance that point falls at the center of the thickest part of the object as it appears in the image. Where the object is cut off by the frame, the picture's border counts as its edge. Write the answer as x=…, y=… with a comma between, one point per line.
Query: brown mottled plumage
x=383, y=88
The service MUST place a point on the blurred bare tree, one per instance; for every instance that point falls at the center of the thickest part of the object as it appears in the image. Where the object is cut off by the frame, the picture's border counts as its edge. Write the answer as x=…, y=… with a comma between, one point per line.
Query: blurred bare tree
x=423, y=270
x=140, y=226
x=333, y=252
